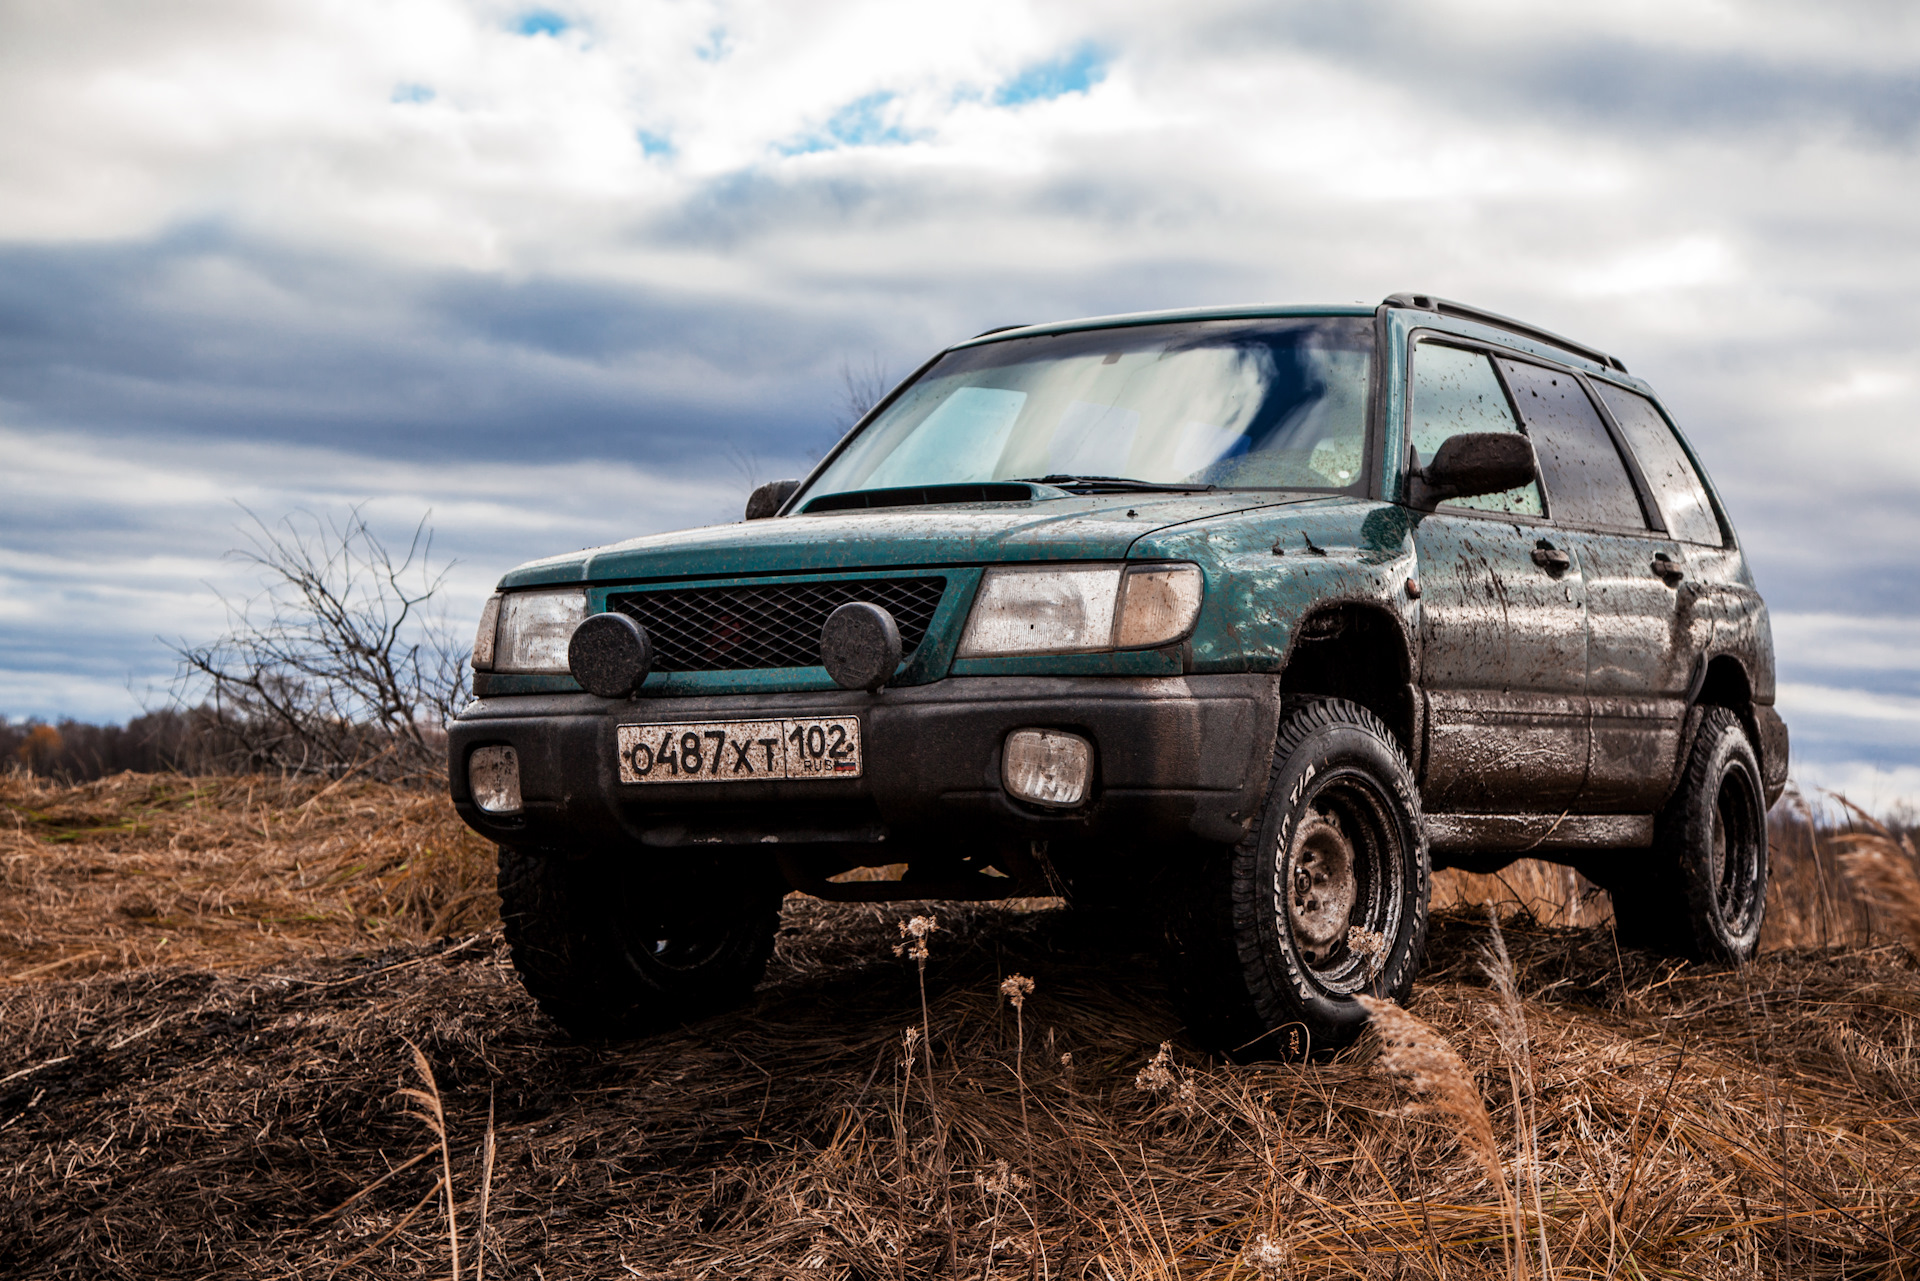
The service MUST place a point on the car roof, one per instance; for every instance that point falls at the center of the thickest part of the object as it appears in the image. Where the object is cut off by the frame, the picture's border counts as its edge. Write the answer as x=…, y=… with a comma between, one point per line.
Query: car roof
x=1252, y=311
x=1464, y=317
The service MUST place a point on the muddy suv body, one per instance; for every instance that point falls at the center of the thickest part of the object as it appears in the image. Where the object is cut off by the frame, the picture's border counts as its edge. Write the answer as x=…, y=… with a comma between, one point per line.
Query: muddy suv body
x=1258, y=613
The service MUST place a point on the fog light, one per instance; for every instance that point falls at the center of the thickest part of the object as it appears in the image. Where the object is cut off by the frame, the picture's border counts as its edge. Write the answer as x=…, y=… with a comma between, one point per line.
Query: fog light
x=493, y=773
x=610, y=655
x=1047, y=766
x=860, y=646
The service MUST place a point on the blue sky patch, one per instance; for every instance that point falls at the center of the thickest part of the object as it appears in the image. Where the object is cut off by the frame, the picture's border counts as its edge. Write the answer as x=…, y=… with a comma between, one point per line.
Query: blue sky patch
x=413, y=93
x=1073, y=72
x=719, y=44
x=864, y=122
x=540, y=22
x=654, y=144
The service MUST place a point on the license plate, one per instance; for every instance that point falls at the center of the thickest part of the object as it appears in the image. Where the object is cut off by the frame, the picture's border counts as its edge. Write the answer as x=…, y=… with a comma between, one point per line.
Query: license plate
x=741, y=751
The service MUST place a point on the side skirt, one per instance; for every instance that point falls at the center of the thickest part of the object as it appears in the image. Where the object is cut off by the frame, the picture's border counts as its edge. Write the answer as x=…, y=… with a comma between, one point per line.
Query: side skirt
x=1534, y=833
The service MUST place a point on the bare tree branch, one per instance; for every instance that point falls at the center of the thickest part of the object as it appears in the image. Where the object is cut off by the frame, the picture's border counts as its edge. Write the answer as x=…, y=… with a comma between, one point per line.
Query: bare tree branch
x=344, y=655
x=862, y=386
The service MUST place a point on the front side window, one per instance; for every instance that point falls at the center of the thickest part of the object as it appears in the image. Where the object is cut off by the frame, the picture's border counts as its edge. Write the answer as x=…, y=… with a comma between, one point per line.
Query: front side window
x=1237, y=404
x=1676, y=487
x=1455, y=391
x=1579, y=462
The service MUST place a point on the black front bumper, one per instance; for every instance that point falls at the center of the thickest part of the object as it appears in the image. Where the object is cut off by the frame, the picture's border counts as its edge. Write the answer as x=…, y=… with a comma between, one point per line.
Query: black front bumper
x=1174, y=757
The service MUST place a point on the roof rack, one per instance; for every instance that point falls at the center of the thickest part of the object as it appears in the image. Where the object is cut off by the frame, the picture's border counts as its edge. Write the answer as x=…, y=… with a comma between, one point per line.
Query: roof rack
x=1462, y=311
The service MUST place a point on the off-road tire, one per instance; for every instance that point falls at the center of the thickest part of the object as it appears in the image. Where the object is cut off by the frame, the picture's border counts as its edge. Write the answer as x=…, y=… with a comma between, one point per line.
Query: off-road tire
x=610, y=954
x=1701, y=891
x=1260, y=950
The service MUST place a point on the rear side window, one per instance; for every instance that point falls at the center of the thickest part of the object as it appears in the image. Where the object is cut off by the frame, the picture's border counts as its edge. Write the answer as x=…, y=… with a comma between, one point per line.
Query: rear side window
x=1587, y=482
x=1676, y=487
x=1456, y=391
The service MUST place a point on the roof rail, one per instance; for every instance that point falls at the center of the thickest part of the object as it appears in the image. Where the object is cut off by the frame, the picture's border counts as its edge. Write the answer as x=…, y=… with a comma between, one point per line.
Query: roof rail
x=1462, y=311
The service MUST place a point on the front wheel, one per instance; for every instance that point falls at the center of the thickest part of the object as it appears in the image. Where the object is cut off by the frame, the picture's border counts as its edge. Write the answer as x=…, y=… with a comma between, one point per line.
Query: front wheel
x=1326, y=898
x=609, y=952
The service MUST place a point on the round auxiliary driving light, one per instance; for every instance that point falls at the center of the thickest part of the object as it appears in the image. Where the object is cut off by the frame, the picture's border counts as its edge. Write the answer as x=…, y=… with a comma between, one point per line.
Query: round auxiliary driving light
x=609, y=655
x=860, y=646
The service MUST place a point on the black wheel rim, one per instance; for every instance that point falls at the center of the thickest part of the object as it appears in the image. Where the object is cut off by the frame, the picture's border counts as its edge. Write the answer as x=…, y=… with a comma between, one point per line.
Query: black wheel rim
x=653, y=943
x=1340, y=881
x=1736, y=851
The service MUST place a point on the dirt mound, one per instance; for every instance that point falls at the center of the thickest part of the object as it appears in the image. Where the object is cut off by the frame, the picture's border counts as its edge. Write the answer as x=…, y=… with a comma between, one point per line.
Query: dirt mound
x=179, y=1122
x=241, y=1115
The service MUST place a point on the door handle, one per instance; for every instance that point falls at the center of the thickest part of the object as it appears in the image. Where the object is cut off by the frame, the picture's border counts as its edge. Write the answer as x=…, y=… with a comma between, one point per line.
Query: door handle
x=1552, y=559
x=1669, y=570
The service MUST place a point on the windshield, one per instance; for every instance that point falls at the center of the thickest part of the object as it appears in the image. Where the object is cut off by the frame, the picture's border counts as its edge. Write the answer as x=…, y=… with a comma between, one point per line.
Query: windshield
x=1229, y=403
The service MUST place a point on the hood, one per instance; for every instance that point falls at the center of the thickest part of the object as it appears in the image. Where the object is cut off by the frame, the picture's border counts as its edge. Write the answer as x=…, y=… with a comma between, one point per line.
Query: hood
x=1093, y=527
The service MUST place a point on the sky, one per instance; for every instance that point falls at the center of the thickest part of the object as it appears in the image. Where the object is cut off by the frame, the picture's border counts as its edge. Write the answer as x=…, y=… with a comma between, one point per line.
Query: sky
x=556, y=275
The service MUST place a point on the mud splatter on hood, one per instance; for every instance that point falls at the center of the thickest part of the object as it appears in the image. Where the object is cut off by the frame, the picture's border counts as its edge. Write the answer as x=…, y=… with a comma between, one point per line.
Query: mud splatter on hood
x=1092, y=527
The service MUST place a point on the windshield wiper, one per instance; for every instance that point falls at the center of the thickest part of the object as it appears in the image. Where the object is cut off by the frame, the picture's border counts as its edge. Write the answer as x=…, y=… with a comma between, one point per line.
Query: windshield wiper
x=1121, y=484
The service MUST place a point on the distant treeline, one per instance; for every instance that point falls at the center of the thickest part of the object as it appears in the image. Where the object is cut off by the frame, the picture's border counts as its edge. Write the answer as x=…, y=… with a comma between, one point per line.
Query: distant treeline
x=76, y=752
x=214, y=740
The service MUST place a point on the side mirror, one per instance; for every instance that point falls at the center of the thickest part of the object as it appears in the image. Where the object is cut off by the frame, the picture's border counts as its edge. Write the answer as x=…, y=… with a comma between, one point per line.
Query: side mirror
x=1471, y=464
x=769, y=498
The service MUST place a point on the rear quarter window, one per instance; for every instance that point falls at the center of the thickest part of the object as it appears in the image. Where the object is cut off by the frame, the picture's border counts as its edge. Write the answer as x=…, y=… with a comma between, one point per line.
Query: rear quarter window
x=1676, y=486
x=1587, y=483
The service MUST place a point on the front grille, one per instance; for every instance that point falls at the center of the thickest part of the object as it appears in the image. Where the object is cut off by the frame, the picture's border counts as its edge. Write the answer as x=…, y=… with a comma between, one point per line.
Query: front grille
x=736, y=629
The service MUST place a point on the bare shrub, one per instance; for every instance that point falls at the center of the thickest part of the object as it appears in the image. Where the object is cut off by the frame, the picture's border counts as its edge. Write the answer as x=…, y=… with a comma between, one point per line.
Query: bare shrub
x=341, y=663
x=863, y=385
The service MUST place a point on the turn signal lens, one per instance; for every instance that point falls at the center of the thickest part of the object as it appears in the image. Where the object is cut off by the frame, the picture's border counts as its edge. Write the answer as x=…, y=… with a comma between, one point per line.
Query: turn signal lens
x=1047, y=767
x=1158, y=605
x=483, y=639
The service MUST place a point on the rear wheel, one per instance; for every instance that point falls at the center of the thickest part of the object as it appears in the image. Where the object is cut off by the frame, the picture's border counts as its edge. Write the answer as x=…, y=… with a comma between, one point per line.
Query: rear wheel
x=1704, y=889
x=1326, y=899
x=609, y=952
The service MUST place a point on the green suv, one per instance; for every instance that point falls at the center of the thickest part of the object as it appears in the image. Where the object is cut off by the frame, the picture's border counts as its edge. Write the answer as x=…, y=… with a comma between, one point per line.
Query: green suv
x=1254, y=615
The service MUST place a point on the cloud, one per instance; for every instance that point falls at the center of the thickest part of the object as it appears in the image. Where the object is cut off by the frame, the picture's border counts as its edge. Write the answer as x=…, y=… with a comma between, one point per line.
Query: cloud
x=475, y=255
x=115, y=548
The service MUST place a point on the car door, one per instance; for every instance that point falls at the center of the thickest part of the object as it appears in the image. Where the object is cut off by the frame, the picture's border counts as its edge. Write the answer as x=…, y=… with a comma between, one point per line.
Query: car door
x=1639, y=648
x=1680, y=570
x=1502, y=609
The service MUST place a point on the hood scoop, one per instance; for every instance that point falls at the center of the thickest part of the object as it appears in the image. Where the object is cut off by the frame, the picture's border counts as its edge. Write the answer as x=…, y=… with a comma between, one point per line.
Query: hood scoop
x=931, y=496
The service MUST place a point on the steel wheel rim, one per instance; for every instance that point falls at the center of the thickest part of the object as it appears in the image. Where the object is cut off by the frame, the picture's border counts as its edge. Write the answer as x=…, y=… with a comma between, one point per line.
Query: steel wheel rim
x=653, y=944
x=1341, y=872
x=1734, y=862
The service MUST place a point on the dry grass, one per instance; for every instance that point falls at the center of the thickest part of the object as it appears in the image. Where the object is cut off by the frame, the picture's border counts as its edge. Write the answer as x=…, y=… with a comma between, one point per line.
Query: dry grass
x=227, y=873
x=248, y=1117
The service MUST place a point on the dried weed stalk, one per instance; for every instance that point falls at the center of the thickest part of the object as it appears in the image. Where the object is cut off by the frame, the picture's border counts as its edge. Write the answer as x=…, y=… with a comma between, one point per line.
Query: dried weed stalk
x=1516, y=1045
x=428, y=1111
x=1164, y=1079
x=1411, y=1049
x=1016, y=988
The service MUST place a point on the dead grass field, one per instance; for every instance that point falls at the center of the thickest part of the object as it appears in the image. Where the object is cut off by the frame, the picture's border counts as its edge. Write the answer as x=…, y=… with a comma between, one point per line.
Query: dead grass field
x=210, y=990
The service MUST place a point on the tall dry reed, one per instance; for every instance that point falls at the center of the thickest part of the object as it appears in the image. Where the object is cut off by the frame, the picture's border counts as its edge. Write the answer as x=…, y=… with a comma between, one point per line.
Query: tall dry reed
x=1417, y=1053
x=1885, y=869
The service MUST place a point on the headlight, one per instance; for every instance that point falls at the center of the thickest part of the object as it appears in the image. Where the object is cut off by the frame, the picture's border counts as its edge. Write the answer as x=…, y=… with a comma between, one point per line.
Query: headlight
x=534, y=630
x=1055, y=609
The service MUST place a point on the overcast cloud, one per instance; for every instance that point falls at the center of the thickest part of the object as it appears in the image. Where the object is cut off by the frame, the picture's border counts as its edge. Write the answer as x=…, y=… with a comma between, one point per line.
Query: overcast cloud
x=567, y=272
